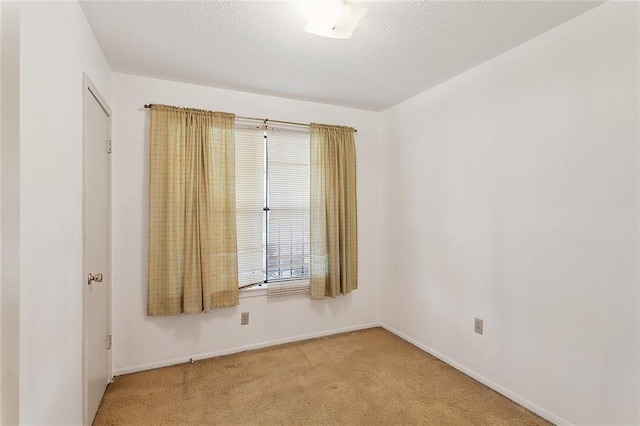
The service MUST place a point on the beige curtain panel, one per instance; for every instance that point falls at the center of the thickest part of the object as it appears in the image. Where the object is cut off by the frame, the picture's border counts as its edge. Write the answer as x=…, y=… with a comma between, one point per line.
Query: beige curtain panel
x=333, y=216
x=193, y=264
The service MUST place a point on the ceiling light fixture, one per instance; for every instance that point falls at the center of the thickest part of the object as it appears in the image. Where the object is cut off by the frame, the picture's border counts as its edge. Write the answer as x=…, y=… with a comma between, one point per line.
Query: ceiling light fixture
x=333, y=18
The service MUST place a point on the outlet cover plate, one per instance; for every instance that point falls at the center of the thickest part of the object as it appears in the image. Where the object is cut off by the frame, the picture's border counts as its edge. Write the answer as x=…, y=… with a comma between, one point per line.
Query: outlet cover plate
x=244, y=318
x=478, y=326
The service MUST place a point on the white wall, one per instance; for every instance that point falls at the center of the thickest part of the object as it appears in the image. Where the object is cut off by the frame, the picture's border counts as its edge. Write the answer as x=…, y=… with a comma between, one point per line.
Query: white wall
x=56, y=47
x=511, y=194
x=142, y=342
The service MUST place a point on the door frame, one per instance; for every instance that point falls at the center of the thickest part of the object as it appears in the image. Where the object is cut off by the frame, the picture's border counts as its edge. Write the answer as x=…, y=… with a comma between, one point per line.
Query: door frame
x=89, y=91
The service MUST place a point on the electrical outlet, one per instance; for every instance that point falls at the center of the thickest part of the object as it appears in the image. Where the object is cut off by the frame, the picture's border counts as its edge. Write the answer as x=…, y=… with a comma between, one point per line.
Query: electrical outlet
x=244, y=318
x=478, y=326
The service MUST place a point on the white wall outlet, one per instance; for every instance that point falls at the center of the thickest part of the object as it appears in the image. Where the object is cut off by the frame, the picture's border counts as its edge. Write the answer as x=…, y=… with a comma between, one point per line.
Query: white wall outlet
x=244, y=318
x=478, y=326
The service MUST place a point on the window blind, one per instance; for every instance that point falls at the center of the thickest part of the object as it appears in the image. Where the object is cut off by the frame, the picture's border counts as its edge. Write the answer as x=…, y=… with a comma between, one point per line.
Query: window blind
x=272, y=208
x=250, y=199
x=288, y=255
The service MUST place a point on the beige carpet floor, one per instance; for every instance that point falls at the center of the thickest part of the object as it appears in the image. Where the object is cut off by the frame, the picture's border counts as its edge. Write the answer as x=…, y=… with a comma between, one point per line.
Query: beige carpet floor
x=368, y=377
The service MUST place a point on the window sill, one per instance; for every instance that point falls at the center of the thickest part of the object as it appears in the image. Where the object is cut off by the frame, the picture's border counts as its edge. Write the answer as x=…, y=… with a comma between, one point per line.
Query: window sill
x=257, y=291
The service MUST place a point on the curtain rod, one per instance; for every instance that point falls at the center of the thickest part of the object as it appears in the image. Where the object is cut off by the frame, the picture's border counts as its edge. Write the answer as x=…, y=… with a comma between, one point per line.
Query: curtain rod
x=266, y=120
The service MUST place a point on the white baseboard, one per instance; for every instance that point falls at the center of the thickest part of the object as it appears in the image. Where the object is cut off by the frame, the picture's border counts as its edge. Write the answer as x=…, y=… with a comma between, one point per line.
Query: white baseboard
x=480, y=378
x=228, y=351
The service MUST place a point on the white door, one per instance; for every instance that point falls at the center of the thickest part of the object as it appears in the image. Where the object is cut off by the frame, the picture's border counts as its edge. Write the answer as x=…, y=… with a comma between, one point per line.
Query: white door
x=96, y=249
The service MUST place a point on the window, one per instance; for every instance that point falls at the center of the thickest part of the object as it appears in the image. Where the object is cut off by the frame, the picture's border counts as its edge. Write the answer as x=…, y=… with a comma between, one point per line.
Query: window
x=272, y=208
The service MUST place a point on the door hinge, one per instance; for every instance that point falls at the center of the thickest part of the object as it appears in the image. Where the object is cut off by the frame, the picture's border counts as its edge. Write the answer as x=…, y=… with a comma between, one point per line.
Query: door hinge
x=109, y=341
x=109, y=147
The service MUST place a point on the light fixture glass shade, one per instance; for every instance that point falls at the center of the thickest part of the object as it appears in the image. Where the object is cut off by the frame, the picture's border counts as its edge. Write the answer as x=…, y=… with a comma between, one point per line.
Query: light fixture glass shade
x=334, y=19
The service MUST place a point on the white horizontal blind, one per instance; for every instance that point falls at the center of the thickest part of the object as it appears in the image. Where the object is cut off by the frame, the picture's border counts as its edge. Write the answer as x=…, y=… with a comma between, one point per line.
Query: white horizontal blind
x=250, y=200
x=288, y=174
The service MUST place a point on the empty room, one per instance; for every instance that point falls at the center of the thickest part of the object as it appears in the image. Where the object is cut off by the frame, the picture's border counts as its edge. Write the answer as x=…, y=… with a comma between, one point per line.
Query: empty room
x=320, y=212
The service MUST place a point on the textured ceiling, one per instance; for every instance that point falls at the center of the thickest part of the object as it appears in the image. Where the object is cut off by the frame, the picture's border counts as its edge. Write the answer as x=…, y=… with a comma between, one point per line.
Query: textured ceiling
x=400, y=48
